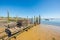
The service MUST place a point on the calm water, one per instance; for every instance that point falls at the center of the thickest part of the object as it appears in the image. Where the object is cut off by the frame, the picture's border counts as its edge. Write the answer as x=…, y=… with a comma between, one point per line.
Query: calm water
x=55, y=22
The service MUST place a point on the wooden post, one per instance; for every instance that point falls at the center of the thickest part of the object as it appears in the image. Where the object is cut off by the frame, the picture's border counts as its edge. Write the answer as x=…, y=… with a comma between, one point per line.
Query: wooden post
x=34, y=20
x=31, y=20
x=39, y=19
x=27, y=20
x=16, y=18
x=7, y=17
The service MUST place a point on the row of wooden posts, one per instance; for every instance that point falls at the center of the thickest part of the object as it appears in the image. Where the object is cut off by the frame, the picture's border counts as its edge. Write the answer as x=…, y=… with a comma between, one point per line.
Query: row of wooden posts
x=33, y=19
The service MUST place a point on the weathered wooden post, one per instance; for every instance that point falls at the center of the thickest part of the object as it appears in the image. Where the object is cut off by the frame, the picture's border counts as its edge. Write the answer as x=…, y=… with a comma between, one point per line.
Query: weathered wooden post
x=39, y=19
x=35, y=20
x=31, y=20
x=16, y=18
x=27, y=20
x=7, y=17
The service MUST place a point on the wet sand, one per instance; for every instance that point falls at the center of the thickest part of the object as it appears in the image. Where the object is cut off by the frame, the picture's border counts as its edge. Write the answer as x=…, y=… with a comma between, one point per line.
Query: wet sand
x=40, y=32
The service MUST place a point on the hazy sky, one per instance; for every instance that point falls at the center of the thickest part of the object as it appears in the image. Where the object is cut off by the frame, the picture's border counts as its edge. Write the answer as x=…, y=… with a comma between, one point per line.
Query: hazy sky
x=23, y=8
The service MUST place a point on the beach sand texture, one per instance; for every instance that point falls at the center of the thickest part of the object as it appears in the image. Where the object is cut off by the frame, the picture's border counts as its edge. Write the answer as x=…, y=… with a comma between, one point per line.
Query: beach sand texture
x=40, y=32
x=2, y=29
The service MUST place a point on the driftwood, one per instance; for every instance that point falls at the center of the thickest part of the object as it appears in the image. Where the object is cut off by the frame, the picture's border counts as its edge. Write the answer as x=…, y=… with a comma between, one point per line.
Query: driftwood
x=15, y=31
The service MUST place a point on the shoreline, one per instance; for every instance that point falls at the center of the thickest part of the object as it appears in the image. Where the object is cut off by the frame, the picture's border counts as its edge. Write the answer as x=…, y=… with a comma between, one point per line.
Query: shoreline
x=53, y=27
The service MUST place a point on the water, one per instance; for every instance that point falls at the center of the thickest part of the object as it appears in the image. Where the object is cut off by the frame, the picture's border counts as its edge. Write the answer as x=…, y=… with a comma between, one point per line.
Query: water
x=55, y=22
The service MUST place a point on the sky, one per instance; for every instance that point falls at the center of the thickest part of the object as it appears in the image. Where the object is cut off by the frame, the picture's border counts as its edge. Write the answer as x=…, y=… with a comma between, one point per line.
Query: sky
x=30, y=8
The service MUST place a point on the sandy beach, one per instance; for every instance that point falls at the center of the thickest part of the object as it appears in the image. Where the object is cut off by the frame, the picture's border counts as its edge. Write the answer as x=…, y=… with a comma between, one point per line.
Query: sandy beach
x=40, y=32
x=2, y=29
